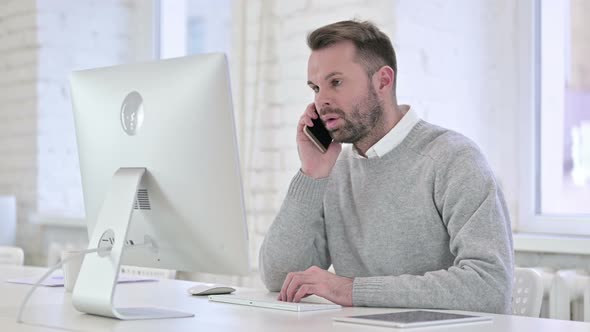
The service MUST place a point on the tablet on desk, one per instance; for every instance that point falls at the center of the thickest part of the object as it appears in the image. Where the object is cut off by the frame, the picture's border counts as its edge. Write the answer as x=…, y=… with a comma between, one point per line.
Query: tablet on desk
x=416, y=318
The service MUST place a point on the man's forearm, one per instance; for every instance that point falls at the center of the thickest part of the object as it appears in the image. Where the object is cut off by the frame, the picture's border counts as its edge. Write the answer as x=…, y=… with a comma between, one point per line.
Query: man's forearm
x=455, y=289
x=296, y=240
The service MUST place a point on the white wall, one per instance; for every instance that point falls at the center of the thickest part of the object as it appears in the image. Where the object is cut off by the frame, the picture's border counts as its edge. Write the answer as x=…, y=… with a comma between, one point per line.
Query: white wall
x=458, y=66
x=18, y=108
x=96, y=33
x=40, y=43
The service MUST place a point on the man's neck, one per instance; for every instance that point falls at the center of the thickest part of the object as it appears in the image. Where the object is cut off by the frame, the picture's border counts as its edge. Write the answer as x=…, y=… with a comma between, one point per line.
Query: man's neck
x=391, y=117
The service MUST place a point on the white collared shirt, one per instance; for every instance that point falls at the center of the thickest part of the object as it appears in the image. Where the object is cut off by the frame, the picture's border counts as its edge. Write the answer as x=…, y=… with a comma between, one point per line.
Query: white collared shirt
x=393, y=138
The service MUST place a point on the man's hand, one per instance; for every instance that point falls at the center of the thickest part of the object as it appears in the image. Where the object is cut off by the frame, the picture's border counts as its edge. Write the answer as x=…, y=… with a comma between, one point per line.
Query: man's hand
x=314, y=163
x=315, y=281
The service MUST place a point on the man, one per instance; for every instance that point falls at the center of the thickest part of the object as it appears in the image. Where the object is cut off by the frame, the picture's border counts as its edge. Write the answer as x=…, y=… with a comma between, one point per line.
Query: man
x=410, y=215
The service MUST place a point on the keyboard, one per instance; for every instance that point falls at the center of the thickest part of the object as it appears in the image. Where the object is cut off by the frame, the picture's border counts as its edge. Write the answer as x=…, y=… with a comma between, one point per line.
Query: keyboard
x=268, y=302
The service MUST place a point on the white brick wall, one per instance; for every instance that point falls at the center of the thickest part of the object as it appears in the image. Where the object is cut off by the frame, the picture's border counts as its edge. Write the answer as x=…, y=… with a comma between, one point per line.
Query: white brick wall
x=40, y=43
x=96, y=33
x=458, y=68
x=18, y=109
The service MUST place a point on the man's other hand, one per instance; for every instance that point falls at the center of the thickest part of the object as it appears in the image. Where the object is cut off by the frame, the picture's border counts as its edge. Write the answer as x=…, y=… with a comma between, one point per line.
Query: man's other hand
x=316, y=281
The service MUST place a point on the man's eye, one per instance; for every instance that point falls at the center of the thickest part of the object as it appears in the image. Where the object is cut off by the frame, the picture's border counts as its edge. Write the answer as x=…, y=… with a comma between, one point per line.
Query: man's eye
x=336, y=82
x=315, y=89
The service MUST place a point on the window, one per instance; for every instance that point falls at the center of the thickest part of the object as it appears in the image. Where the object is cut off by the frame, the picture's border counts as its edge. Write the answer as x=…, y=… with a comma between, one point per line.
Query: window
x=194, y=26
x=564, y=116
x=559, y=202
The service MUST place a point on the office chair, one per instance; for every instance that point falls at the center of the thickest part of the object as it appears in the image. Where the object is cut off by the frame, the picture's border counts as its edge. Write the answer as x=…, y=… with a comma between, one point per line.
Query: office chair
x=11, y=255
x=527, y=294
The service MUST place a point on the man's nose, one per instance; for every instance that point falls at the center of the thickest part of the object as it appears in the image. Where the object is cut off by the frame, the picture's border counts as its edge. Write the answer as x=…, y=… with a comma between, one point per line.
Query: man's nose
x=322, y=99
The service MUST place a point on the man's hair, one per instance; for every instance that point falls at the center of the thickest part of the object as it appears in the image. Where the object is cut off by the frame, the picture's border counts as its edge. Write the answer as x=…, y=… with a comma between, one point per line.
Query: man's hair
x=373, y=47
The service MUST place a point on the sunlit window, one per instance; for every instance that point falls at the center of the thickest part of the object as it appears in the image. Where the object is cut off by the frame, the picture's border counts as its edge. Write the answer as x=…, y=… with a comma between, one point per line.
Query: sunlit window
x=194, y=26
x=564, y=109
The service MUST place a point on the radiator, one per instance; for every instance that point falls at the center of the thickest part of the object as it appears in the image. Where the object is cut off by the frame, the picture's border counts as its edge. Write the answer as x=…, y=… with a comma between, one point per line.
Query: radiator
x=566, y=294
x=148, y=272
x=55, y=249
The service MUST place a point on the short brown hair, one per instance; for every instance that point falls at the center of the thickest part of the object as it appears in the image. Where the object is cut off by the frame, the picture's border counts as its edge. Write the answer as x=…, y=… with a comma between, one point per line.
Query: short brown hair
x=374, y=49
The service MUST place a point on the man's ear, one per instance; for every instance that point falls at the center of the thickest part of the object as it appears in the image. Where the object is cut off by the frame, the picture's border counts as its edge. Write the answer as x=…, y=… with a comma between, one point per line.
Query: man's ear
x=385, y=79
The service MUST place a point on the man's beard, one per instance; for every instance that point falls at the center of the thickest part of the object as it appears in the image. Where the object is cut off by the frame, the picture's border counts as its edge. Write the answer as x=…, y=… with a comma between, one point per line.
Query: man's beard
x=357, y=125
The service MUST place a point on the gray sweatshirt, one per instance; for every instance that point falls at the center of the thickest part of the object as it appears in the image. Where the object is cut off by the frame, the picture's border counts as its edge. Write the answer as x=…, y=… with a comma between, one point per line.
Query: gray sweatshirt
x=424, y=226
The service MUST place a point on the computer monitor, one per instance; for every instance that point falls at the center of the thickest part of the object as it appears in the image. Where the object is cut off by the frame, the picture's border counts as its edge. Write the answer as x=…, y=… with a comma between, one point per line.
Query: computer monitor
x=160, y=172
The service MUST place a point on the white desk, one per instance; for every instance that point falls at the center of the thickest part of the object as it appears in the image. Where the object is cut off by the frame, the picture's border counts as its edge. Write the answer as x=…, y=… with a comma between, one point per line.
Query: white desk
x=52, y=307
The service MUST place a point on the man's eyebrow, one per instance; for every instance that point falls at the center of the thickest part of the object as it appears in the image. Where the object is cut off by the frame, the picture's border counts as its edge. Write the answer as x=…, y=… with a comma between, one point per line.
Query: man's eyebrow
x=334, y=73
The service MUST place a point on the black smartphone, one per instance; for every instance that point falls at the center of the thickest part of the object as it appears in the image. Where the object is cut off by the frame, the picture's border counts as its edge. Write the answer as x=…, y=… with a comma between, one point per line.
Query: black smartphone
x=318, y=134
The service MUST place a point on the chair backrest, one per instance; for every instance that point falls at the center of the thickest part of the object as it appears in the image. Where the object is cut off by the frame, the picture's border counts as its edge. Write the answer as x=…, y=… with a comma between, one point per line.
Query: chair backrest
x=11, y=255
x=527, y=294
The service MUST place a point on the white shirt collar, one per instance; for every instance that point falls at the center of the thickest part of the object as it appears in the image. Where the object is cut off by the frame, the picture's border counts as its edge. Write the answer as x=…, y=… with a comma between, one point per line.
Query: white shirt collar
x=393, y=138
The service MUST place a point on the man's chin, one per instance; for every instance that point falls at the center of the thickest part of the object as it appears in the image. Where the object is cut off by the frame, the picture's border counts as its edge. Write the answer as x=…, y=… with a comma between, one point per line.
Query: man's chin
x=338, y=140
x=338, y=136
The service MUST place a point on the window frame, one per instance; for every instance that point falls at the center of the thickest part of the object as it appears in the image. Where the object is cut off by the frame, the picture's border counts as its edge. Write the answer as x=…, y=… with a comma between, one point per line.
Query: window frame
x=532, y=65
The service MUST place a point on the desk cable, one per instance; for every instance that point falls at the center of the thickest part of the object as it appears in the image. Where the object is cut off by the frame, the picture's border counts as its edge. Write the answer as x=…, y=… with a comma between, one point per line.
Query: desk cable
x=50, y=271
x=148, y=242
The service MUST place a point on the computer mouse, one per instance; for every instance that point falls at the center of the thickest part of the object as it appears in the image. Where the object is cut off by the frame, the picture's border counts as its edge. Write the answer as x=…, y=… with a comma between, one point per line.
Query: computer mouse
x=210, y=289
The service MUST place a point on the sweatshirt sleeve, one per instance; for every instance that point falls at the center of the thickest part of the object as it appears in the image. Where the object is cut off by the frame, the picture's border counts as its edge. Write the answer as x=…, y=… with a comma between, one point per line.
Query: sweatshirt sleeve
x=296, y=240
x=473, y=210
